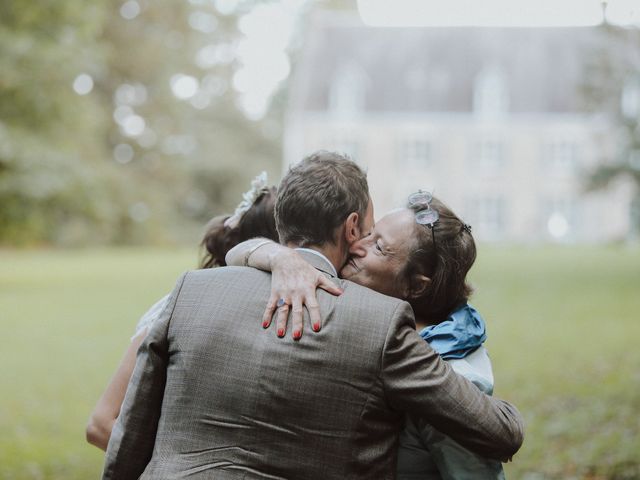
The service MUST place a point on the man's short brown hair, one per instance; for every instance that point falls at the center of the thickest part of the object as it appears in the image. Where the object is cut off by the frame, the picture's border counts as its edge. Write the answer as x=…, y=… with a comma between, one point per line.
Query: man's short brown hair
x=317, y=195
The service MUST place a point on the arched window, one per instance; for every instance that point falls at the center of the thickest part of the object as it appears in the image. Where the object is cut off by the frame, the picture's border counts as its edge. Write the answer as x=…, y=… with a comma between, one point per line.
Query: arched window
x=490, y=91
x=630, y=101
x=348, y=89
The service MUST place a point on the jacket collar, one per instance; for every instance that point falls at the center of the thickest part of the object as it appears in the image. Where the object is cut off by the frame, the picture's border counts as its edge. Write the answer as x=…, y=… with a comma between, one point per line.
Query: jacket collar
x=318, y=260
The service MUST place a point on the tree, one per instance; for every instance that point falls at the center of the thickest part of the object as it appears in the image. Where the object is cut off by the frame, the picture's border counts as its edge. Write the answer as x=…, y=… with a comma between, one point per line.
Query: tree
x=197, y=150
x=118, y=121
x=42, y=181
x=612, y=86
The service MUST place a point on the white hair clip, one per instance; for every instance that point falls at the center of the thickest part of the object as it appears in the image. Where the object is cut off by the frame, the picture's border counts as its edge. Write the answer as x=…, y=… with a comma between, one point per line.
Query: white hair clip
x=258, y=185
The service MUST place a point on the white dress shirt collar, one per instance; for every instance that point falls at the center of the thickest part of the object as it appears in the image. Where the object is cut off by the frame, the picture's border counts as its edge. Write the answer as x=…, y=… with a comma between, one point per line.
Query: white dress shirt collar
x=315, y=252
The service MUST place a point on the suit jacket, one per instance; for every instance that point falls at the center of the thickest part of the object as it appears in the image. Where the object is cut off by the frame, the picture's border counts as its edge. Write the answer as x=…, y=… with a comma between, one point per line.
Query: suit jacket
x=213, y=395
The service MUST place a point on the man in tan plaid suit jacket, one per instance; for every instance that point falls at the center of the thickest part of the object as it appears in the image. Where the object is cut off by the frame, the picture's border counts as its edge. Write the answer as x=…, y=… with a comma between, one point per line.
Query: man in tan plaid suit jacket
x=213, y=395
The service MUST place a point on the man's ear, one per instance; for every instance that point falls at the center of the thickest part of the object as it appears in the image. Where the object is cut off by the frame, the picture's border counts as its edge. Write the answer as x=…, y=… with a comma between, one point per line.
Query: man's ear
x=419, y=284
x=352, y=228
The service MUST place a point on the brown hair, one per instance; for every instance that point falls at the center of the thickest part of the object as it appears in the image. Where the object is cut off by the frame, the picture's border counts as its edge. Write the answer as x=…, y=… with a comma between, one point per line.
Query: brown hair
x=446, y=265
x=258, y=221
x=317, y=195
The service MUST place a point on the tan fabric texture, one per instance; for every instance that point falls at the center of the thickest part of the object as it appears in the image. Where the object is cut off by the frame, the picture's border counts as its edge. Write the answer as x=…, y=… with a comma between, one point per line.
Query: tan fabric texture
x=214, y=395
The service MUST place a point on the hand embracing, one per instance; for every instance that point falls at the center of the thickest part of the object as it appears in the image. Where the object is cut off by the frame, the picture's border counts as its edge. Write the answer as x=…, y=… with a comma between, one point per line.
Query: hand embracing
x=293, y=288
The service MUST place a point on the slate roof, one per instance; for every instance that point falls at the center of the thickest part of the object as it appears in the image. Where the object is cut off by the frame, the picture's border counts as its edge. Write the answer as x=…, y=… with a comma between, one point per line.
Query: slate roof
x=433, y=69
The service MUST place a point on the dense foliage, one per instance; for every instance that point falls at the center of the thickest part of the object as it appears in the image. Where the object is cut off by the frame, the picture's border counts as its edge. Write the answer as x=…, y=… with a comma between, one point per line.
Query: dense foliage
x=95, y=144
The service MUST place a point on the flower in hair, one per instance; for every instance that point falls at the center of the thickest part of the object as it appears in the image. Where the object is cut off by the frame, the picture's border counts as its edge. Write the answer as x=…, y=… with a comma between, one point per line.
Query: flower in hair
x=258, y=185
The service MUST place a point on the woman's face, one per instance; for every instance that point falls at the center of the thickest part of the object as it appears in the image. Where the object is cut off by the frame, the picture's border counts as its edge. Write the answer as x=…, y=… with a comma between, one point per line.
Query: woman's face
x=377, y=260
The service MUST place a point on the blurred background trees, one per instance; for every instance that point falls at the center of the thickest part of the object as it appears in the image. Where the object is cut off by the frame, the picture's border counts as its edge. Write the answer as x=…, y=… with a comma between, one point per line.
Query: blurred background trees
x=128, y=122
x=612, y=88
x=118, y=123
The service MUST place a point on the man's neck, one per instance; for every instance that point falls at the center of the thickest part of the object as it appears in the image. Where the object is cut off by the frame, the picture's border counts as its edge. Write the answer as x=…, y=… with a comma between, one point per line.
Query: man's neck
x=333, y=253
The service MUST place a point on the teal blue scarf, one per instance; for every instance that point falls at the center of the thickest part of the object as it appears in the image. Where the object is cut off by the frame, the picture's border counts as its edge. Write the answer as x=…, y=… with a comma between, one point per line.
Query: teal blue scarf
x=459, y=335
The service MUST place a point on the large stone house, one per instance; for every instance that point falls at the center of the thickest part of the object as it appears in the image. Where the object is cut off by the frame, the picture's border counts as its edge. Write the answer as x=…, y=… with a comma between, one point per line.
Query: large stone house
x=489, y=119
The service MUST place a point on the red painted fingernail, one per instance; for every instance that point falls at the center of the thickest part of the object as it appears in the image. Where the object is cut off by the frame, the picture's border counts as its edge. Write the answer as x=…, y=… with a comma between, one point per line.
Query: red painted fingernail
x=297, y=335
x=316, y=327
x=265, y=324
x=281, y=332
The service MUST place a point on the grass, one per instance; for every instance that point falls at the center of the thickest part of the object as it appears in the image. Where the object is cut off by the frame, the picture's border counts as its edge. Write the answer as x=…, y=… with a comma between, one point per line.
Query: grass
x=563, y=333
x=66, y=318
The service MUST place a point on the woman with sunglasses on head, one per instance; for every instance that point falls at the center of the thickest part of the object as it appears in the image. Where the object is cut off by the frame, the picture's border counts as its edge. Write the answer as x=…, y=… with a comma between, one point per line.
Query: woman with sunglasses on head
x=421, y=254
x=254, y=217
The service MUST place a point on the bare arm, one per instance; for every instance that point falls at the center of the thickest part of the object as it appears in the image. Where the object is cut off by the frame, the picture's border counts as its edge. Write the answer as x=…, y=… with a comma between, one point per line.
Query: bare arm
x=248, y=254
x=107, y=409
x=294, y=280
x=134, y=433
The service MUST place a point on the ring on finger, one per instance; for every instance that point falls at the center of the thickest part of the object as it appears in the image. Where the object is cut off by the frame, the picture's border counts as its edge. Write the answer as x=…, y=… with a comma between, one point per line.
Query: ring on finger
x=281, y=303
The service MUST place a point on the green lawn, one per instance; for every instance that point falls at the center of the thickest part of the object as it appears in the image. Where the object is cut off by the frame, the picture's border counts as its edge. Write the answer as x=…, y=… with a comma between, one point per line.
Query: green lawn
x=563, y=333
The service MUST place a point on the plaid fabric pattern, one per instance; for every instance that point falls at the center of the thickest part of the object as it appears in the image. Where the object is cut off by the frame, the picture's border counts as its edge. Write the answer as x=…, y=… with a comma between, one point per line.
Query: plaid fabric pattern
x=213, y=395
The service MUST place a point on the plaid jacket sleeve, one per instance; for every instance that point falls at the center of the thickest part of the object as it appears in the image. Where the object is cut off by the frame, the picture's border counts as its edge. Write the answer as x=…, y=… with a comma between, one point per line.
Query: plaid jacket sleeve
x=417, y=381
x=133, y=436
